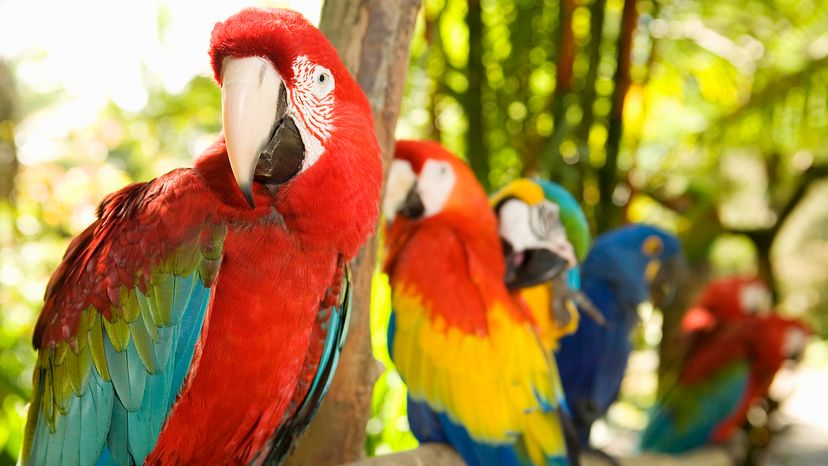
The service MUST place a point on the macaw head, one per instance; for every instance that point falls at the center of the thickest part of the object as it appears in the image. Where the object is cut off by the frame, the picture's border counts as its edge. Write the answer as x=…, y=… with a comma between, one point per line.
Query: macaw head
x=428, y=185
x=296, y=124
x=795, y=337
x=726, y=300
x=542, y=229
x=641, y=262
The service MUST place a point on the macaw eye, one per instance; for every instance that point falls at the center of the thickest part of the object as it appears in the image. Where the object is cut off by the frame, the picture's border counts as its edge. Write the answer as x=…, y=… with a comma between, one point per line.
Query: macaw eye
x=544, y=217
x=323, y=82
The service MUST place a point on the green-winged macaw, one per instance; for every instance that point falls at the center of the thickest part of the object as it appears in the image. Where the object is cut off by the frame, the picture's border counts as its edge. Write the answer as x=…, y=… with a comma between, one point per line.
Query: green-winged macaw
x=721, y=376
x=199, y=319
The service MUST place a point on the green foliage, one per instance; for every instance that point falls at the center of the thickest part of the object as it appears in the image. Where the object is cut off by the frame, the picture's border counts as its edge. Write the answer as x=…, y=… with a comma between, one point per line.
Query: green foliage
x=388, y=427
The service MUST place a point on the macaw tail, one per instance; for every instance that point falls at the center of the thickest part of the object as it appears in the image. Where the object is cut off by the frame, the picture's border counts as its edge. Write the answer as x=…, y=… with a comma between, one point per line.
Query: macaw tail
x=544, y=439
x=688, y=415
x=542, y=443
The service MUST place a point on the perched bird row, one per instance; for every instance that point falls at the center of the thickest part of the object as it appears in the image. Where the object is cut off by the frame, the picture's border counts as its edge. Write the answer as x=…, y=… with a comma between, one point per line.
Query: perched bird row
x=489, y=340
x=200, y=318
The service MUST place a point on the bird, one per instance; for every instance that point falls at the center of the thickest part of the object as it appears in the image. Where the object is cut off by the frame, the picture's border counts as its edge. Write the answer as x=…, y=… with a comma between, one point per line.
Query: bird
x=477, y=374
x=726, y=300
x=199, y=318
x=542, y=227
x=719, y=379
x=622, y=270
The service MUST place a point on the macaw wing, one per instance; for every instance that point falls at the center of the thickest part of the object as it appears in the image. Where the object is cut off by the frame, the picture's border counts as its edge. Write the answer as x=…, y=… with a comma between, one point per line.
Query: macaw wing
x=687, y=416
x=121, y=319
x=578, y=356
x=329, y=335
x=489, y=389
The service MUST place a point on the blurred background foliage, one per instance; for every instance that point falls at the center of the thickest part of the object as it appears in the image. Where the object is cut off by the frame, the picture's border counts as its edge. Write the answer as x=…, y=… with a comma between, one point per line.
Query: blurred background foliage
x=708, y=118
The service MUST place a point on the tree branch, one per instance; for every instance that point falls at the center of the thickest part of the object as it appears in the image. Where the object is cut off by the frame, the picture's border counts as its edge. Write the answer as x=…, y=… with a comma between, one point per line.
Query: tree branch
x=373, y=37
x=477, y=151
x=433, y=454
x=607, y=175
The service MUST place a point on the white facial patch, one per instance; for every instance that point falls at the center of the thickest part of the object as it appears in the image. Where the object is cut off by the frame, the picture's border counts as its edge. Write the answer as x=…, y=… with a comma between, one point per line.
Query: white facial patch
x=401, y=178
x=755, y=299
x=794, y=343
x=535, y=227
x=434, y=185
x=312, y=104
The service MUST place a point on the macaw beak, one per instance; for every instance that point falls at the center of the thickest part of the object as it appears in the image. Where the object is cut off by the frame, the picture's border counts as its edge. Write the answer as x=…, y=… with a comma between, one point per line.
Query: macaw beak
x=664, y=278
x=261, y=139
x=532, y=266
x=412, y=206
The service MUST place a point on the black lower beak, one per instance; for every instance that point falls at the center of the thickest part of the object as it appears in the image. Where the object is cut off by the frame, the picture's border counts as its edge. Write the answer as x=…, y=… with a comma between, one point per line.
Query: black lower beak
x=412, y=207
x=663, y=288
x=531, y=267
x=282, y=157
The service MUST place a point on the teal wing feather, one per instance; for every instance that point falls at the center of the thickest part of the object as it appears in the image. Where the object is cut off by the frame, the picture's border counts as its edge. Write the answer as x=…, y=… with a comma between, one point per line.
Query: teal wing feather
x=122, y=317
x=332, y=325
x=687, y=415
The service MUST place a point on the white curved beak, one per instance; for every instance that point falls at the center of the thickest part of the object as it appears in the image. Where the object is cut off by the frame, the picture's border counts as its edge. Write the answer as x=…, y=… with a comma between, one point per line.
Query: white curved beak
x=250, y=103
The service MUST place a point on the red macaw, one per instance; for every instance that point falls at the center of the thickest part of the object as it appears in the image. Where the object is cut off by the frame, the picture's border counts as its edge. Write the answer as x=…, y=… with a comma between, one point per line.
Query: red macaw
x=725, y=370
x=477, y=374
x=198, y=320
x=726, y=300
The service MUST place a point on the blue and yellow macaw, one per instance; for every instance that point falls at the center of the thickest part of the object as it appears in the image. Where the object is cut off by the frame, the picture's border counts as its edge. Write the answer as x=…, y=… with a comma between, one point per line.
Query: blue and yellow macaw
x=478, y=376
x=545, y=235
x=623, y=268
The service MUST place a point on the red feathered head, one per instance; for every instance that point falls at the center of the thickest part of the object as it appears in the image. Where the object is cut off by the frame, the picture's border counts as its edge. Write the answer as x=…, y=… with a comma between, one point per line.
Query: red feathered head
x=726, y=300
x=430, y=186
x=445, y=187
x=298, y=129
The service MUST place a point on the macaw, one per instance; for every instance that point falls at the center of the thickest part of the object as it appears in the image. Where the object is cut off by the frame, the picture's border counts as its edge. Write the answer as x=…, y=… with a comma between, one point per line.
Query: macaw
x=199, y=319
x=478, y=377
x=720, y=380
x=624, y=268
x=726, y=300
x=545, y=235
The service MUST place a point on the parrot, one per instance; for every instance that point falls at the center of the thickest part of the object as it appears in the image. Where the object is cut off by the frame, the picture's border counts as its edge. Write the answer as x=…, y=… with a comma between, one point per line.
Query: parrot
x=625, y=268
x=477, y=374
x=725, y=300
x=542, y=227
x=199, y=318
x=719, y=381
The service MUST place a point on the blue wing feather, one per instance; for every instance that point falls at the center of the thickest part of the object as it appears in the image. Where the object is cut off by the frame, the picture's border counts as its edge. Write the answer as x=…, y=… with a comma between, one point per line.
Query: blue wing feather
x=118, y=422
x=687, y=416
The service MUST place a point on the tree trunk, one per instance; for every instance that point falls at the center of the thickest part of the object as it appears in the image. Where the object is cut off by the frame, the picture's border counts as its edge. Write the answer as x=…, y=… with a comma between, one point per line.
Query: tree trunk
x=373, y=38
x=563, y=86
x=8, y=152
x=476, y=148
x=607, y=175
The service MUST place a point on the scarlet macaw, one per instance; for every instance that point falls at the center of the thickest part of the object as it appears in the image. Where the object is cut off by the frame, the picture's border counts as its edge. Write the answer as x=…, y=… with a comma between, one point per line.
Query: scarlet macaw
x=477, y=374
x=726, y=300
x=199, y=319
x=545, y=235
x=720, y=379
x=623, y=268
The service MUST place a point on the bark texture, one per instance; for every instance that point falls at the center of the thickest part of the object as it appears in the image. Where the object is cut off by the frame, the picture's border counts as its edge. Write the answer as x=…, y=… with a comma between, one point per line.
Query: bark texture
x=8, y=110
x=373, y=38
x=442, y=455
